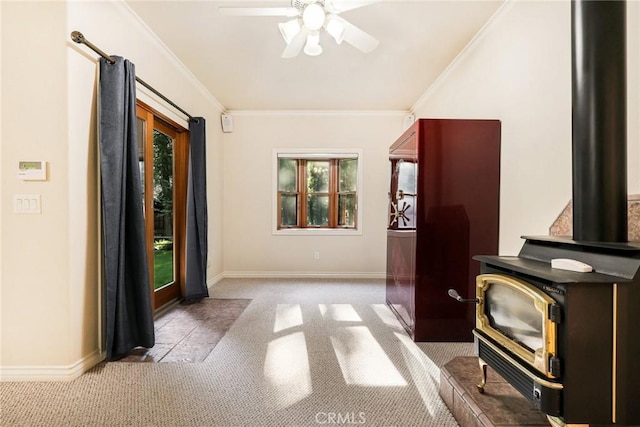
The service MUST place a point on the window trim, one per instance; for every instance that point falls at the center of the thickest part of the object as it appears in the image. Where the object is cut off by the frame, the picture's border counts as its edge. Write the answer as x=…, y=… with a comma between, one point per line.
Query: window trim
x=310, y=154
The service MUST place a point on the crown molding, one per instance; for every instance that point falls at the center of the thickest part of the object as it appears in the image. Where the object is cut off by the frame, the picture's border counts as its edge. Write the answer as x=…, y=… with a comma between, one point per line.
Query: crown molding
x=186, y=72
x=318, y=113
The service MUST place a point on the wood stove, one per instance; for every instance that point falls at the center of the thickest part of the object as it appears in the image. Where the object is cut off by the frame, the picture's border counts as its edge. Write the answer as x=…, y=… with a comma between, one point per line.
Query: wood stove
x=567, y=340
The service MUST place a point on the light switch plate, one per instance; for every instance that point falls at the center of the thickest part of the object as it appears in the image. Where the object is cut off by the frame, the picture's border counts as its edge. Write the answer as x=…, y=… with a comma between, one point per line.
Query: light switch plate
x=27, y=204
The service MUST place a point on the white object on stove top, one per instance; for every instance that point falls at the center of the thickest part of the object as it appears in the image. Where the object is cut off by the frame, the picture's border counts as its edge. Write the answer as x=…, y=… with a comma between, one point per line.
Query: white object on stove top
x=571, y=265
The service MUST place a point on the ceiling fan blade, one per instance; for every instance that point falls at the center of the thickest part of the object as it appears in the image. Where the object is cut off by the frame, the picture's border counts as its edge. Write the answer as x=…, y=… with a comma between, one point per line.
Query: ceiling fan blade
x=338, y=6
x=296, y=45
x=259, y=11
x=356, y=37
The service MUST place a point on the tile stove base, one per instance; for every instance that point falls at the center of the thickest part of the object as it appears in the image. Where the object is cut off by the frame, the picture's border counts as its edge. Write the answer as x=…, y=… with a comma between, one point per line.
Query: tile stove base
x=500, y=405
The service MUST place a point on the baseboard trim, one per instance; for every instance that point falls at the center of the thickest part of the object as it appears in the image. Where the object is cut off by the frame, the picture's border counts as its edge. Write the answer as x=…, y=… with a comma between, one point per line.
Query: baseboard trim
x=50, y=373
x=215, y=279
x=303, y=275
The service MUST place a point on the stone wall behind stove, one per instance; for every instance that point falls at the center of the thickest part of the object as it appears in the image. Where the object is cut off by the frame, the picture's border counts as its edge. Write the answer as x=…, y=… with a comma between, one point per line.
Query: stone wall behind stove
x=563, y=225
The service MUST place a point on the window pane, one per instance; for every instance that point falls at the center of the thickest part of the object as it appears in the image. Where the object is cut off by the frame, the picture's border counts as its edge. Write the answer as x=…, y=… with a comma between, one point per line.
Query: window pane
x=347, y=170
x=347, y=210
x=163, y=209
x=289, y=210
x=318, y=210
x=318, y=176
x=287, y=175
x=407, y=172
x=403, y=213
x=140, y=129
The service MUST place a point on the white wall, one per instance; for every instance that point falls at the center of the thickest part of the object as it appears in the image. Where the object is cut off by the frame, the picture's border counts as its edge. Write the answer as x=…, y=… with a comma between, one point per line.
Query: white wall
x=1, y=201
x=50, y=292
x=35, y=265
x=250, y=248
x=633, y=96
x=519, y=71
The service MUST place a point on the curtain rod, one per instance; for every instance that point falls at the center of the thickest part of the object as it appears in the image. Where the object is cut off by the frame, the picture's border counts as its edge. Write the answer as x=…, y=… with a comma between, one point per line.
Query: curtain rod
x=78, y=37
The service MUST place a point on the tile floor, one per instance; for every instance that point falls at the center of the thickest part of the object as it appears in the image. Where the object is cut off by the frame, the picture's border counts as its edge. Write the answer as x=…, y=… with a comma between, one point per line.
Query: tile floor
x=188, y=332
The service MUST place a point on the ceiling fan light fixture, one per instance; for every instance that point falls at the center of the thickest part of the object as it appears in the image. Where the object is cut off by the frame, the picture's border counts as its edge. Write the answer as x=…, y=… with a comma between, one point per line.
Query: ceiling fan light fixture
x=313, y=48
x=313, y=16
x=336, y=29
x=289, y=29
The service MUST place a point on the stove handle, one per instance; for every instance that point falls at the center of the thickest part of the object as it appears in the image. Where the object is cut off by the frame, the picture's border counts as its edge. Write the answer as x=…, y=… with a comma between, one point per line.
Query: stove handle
x=456, y=296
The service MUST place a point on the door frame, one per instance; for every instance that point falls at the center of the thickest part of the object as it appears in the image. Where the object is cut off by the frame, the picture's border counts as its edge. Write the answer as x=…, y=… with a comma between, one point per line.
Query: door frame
x=156, y=120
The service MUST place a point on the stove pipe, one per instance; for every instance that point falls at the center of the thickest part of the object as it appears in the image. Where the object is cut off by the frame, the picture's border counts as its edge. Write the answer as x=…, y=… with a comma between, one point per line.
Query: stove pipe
x=599, y=114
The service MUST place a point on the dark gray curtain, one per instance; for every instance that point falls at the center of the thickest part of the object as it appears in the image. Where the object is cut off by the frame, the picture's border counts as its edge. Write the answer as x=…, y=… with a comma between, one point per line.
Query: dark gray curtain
x=196, y=256
x=129, y=315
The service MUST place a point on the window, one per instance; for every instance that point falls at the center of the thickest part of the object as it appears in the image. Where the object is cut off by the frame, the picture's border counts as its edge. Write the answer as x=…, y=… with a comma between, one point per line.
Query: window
x=317, y=191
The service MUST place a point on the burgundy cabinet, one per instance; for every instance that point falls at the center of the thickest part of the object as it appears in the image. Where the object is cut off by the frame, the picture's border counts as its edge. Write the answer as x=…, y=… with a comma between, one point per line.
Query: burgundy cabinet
x=443, y=209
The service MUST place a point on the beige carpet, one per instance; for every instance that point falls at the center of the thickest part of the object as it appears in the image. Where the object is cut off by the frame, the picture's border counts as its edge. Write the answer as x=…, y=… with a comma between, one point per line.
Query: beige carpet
x=303, y=353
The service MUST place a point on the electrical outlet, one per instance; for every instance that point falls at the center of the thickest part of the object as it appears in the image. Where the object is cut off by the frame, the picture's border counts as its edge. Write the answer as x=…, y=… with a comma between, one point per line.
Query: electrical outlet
x=316, y=255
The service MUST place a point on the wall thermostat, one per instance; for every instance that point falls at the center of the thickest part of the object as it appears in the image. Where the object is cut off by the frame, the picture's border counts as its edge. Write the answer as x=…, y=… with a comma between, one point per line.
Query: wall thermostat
x=32, y=170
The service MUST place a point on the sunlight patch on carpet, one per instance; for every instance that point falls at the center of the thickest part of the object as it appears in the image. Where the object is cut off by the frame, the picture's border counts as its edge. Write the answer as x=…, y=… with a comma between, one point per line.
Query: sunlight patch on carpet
x=362, y=359
x=339, y=312
x=287, y=316
x=286, y=369
x=419, y=364
x=386, y=315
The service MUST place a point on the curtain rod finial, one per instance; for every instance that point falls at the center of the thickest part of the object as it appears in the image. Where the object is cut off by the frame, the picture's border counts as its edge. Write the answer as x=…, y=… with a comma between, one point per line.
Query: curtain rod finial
x=77, y=37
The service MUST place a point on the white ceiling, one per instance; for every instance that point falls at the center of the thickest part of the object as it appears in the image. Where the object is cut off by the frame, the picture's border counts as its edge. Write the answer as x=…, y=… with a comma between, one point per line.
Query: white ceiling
x=238, y=58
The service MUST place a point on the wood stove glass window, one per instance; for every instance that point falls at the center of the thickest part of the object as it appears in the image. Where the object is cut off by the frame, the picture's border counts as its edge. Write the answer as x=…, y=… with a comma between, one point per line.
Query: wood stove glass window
x=513, y=314
x=518, y=317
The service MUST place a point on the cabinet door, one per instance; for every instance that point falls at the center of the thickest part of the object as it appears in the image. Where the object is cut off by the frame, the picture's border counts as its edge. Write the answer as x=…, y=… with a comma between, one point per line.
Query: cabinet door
x=403, y=197
x=401, y=266
x=401, y=232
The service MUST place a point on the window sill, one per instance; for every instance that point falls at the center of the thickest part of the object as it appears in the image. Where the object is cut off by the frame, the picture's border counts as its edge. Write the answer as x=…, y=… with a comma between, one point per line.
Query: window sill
x=317, y=232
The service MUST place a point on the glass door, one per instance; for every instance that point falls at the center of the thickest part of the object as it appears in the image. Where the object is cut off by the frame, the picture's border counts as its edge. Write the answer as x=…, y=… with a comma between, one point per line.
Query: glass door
x=161, y=147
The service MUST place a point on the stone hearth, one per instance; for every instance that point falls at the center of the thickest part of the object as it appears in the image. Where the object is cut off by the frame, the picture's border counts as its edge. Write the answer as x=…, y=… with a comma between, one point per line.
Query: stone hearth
x=500, y=405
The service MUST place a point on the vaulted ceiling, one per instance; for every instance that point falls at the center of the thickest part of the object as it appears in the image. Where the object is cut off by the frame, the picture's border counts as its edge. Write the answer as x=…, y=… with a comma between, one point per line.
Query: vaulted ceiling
x=238, y=58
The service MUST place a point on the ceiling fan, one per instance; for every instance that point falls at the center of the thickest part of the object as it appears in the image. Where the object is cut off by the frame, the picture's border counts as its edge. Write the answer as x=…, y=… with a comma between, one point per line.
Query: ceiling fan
x=309, y=17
